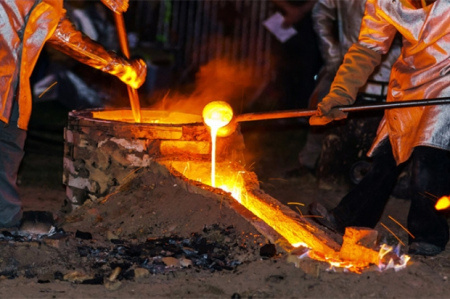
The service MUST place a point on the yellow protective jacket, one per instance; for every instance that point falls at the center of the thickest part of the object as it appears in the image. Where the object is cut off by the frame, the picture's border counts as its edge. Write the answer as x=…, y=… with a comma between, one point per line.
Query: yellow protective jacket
x=421, y=72
x=25, y=26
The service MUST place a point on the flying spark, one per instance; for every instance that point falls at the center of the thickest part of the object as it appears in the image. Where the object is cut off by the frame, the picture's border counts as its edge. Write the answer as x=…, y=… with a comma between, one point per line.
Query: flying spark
x=47, y=89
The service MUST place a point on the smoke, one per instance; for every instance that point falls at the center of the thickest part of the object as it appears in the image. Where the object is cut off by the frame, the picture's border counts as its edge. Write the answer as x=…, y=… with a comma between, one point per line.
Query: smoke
x=219, y=80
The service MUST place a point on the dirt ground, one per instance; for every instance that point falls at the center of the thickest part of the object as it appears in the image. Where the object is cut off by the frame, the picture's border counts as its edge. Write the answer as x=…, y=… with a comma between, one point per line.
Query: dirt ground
x=205, y=248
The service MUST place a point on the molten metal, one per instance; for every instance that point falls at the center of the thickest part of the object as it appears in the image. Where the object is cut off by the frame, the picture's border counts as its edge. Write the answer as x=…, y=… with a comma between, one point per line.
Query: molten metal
x=132, y=93
x=216, y=115
x=147, y=116
x=353, y=255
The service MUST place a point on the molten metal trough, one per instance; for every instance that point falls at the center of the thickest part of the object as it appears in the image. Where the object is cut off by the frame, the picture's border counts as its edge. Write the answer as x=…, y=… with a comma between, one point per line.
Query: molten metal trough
x=103, y=147
x=295, y=233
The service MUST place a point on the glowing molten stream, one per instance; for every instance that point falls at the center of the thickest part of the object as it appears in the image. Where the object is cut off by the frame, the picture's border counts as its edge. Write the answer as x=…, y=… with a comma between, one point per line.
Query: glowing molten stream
x=216, y=115
x=352, y=255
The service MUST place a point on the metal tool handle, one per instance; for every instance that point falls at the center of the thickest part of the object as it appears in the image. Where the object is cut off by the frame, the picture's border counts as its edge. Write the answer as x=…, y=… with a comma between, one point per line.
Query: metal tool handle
x=356, y=108
x=123, y=41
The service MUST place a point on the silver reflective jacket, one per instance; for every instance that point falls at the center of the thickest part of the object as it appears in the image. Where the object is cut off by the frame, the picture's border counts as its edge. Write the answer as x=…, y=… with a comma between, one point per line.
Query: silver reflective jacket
x=337, y=24
x=25, y=26
x=421, y=72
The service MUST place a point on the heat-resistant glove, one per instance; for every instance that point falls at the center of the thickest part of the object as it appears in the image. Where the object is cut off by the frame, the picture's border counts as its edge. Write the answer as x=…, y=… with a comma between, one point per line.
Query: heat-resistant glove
x=132, y=72
x=358, y=65
x=77, y=45
x=117, y=6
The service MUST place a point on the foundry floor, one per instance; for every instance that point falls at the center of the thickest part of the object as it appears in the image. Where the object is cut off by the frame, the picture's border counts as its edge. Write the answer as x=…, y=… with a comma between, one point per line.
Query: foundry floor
x=271, y=150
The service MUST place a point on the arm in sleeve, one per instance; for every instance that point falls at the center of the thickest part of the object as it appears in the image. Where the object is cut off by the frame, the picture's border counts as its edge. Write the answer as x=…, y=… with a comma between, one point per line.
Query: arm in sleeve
x=80, y=47
x=376, y=32
x=324, y=16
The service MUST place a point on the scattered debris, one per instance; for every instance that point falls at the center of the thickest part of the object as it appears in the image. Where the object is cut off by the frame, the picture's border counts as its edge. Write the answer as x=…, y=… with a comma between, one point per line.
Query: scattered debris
x=268, y=250
x=108, y=263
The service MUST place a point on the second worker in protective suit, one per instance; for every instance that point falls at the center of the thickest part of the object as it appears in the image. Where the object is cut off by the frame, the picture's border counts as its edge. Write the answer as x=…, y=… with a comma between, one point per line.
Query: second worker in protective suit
x=337, y=26
x=25, y=26
x=419, y=134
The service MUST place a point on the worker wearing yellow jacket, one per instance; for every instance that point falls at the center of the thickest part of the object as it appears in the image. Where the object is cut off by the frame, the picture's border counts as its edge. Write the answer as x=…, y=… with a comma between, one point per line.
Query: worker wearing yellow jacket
x=25, y=26
x=420, y=134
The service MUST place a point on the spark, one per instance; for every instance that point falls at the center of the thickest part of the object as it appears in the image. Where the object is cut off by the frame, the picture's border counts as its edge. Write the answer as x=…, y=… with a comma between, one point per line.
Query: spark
x=296, y=203
x=299, y=211
x=392, y=233
x=131, y=173
x=47, y=89
x=104, y=200
x=430, y=195
x=404, y=228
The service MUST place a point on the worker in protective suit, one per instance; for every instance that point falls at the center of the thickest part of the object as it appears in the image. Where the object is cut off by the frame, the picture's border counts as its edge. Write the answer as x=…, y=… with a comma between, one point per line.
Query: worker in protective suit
x=419, y=134
x=25, y=26
x=337, y=25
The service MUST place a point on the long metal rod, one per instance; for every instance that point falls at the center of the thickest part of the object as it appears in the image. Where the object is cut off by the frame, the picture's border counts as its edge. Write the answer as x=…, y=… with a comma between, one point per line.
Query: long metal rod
x=357, y=108
x=123, y=41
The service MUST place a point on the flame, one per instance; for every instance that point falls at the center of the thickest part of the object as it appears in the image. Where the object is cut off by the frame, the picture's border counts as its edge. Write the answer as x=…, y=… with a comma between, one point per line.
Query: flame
x=391, y=264
x=443, y=203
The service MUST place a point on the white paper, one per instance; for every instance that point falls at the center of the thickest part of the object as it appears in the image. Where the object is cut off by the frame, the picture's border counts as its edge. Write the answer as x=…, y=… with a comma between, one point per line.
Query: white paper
x=274, y=25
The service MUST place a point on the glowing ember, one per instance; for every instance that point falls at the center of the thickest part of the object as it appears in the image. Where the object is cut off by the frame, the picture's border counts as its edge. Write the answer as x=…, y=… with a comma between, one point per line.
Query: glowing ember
x=216, y=115
x=443, y=203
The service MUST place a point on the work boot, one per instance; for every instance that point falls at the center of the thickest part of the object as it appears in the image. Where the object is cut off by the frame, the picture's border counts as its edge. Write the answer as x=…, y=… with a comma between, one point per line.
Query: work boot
x=422, y=248
x=36, y=223
x=325, y=218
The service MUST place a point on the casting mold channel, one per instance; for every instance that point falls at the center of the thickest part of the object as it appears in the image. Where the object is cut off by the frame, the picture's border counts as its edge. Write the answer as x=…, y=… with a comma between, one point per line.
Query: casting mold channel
x=102, y=147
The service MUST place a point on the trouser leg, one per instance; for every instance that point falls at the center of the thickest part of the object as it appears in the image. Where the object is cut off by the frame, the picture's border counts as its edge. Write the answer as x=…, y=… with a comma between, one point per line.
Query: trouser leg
x=430, y=181
x=12, y=140
x=310, y=153
x=364, y=204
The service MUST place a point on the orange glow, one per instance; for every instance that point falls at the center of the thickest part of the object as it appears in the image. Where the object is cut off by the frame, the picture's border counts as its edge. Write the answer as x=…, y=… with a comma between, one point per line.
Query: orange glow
x=443, y=203
x=148, y=116
x=232, y=180
x=216, y=115
x=47, y=89
x=392, y=233
x=236, y=181
x=390, y=264
x=243, y=187
x=404, y=228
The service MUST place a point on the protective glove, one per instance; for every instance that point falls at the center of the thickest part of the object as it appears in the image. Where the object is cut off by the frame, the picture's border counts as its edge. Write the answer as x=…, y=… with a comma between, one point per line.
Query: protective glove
x=73, y=43
x=358, y=65
x=117, y=6
x=132, y=72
